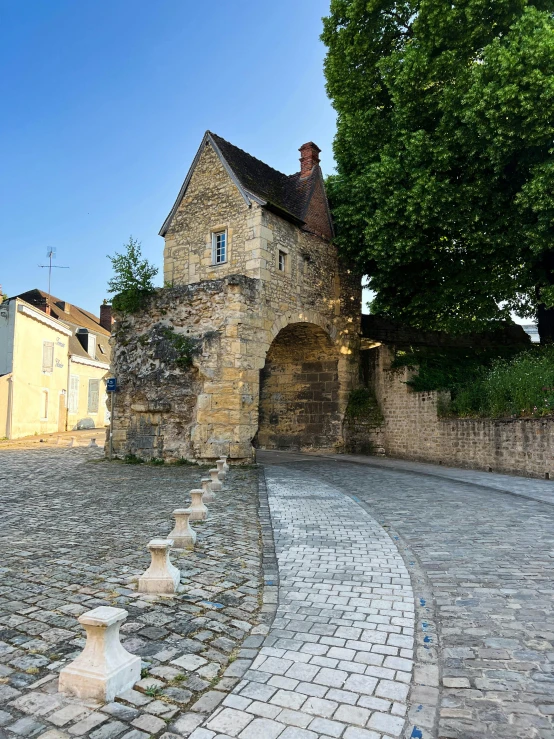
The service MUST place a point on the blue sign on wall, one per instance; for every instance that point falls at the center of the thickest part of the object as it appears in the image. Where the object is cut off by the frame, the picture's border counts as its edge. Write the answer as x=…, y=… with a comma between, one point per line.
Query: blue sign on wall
x=111, y=385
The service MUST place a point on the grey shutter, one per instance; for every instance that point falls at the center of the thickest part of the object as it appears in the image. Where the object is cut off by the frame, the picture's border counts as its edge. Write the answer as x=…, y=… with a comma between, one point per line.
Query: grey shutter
x=47, y=356
x=93, y=395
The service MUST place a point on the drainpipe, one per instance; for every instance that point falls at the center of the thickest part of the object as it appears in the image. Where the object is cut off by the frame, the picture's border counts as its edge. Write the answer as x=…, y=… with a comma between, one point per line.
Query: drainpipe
x=10, y=408
x=68, y=385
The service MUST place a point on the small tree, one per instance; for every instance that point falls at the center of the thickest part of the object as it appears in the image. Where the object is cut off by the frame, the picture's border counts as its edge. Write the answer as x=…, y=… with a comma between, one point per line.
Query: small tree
x=132, y=281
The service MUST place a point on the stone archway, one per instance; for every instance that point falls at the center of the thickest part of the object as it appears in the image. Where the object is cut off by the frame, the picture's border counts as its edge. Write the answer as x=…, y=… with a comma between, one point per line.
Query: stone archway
x=299, y=405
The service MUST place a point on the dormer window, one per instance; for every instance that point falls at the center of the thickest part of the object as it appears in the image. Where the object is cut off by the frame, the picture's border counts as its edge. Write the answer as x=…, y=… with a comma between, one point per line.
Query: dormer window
x=219, y=247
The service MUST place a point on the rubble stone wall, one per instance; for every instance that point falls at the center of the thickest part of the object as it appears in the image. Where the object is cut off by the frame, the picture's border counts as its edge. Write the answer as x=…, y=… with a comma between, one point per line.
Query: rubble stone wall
x=413, y=430
x=212, y=407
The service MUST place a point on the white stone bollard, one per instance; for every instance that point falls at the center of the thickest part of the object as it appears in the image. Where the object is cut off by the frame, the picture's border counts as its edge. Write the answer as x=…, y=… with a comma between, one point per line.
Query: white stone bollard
x=183, y=535
x=225, y=465
x=72, y=441
x=104, y=668
x=198, y=511
x=93, y=444
x=161, y=576
x=216, y=483
x=220, y=470
x=207, y=489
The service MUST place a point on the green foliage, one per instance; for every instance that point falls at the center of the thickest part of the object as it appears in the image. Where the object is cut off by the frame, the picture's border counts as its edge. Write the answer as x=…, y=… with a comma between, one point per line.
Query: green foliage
x=448, y=368
x=184, y=462
x=132, y=280
x=184, y=347
x=154, y=691
x=522, y=386
x=489, y=383
x=362, y=405
x=132, y=459
x=445, y=155
x=156, y=461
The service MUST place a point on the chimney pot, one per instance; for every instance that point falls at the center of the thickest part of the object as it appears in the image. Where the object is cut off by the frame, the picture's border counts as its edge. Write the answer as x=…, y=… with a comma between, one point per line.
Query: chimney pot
x=106, y=319
x=309, y=158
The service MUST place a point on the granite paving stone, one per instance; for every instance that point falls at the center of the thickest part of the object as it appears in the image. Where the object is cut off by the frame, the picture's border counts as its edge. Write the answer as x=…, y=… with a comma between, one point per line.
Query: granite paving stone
x=397, y=594
x=479, y=548
x=74, y=533
x=341, y=582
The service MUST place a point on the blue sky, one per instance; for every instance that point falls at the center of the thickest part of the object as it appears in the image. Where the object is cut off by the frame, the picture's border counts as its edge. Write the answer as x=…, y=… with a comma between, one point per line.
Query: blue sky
x=104, y=106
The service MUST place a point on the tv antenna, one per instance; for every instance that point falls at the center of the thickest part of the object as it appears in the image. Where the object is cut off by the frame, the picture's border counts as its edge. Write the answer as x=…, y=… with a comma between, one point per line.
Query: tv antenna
x=50, y=255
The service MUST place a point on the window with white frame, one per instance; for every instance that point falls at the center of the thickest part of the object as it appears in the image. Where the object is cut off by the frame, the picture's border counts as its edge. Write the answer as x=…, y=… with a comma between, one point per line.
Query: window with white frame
x=93, y=396
x=44, y=405
x=219, y=247
x=47, y=356
x=73, y=403
x=282, y=261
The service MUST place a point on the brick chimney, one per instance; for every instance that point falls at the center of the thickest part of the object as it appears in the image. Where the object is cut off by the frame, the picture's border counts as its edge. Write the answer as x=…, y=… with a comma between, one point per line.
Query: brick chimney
x=106, y=319
x=309, y=158
x=64, y=305
x=43, y=304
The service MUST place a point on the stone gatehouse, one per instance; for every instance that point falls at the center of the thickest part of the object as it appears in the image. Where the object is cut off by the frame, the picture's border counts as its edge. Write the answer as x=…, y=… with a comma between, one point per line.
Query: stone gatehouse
x=257, y=295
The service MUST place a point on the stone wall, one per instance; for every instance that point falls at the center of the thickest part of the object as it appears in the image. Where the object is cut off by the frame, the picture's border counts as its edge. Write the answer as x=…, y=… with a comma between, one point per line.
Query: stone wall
x=299, y=391
x=235, y=311
x=212, y=408
x=412, y=430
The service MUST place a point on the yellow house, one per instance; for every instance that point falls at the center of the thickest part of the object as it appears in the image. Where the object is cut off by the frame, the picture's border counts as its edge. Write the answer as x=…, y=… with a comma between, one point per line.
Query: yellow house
x=54, y=358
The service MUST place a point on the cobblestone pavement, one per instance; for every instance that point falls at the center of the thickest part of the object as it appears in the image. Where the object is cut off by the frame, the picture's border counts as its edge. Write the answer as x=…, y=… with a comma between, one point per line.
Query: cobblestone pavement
x=338, y=659
x=485, y=546
x=74, y=530
x=367, y=548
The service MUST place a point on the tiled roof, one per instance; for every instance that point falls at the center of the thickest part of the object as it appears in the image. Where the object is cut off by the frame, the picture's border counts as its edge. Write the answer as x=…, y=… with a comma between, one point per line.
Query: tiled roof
x=286, y=192
x=74, y=318
x=75, y=315
x=287, y=195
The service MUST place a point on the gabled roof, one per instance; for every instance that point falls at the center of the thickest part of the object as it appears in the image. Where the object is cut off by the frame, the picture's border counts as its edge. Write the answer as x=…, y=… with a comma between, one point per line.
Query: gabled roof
x=287, y=195
x=75, y=315
x=74, y=318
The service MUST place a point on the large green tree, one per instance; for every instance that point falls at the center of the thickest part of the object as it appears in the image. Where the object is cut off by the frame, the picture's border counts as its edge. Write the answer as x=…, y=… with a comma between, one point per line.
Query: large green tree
x=445, y=156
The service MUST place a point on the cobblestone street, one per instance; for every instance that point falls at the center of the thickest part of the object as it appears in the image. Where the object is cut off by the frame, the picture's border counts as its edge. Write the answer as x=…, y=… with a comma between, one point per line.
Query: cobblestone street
x=480, y=549
x=74, y=533
x=414, y=601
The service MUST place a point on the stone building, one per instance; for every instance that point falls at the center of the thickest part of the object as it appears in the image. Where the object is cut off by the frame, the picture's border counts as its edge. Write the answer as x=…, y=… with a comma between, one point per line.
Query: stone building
x=256, y=293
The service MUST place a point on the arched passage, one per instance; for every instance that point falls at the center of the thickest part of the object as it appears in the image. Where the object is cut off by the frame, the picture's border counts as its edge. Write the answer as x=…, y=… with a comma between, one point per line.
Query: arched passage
x=299, y=391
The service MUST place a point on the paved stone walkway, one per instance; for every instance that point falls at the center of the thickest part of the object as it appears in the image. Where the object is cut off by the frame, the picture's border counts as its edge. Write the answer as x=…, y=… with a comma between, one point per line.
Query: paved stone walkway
x=73, y=535
x=480, y=549
x=338, y=659
x=367, y=550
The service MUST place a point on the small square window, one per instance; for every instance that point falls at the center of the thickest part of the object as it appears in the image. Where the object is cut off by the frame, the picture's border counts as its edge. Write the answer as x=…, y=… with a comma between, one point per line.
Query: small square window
x=219, y=247
x=282, y=261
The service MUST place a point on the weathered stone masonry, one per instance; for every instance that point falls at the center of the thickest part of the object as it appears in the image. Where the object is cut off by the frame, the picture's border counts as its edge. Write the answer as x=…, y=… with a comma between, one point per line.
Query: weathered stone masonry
x=303, y=319
x=411, y=429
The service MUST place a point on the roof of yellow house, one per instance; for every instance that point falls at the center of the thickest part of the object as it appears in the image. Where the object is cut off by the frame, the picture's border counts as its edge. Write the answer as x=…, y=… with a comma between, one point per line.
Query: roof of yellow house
x=75, y=318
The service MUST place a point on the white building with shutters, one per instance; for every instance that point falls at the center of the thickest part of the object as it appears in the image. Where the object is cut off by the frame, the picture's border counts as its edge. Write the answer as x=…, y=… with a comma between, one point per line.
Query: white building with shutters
x=54, y=359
